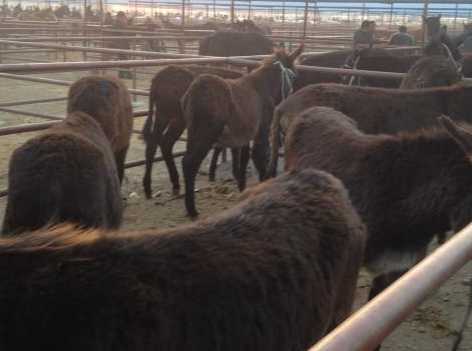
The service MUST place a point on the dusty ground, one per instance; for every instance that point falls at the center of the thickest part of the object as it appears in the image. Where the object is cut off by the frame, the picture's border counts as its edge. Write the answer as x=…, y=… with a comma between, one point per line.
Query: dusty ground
x=431, y=327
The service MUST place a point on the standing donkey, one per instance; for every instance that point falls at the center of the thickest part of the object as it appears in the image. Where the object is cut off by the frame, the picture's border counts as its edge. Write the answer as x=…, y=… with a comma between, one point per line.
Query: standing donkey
x=234, y=113
x=165, y=122
x=108, y=101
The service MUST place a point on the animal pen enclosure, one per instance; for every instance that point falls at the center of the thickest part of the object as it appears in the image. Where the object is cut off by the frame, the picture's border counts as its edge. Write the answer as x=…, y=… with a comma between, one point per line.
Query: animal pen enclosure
x=38, y=61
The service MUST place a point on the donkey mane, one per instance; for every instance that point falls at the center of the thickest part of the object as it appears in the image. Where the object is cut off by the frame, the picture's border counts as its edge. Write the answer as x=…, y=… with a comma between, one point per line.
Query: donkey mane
x=66, y=235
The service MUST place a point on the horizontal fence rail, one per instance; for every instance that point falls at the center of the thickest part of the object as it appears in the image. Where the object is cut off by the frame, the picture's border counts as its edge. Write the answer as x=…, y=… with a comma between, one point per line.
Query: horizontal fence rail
x=365, y=329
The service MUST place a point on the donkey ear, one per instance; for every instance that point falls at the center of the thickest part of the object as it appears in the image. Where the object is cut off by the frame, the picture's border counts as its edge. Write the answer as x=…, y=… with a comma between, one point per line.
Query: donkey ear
x=298, y=51
x=462, y=136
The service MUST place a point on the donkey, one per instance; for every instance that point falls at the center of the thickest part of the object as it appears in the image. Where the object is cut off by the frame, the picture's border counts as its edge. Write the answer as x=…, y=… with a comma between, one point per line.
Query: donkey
x=375, y=110
x=68, y=173
x=108, y=101
x=439, y=66
x=334, y=59
x=434, y=71
x=406, y=187
x=374, y=59
x=165, y=126
x=378, y=59
x=233, y=113
x=247, y=279
x=231, y=43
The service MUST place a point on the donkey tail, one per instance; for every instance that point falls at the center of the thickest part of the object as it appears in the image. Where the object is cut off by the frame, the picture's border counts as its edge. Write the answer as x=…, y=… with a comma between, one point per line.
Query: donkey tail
x=208, y=103
x=150, y=120
x=275, y=142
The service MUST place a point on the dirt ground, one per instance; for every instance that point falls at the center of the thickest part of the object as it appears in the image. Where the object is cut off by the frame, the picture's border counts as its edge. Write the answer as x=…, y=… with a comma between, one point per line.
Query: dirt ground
x=431, y=327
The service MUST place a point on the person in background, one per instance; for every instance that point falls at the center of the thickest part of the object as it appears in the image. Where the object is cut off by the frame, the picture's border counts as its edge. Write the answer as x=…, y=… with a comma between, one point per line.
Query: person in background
x=364, y=36
x=121, y=20
x=121, y=24
x=108, y=20
x=467, y=44
x=402, y=38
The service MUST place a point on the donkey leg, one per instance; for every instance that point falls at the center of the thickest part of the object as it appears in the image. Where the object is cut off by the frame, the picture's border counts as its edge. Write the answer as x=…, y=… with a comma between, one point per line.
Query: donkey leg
x=383, y=281
x=214, y=163
x=441, y=237
x=260, y=158
x=191, y=162
x=151, y=148
x=199, y=143
x=224, y=155
x=120, y=157
x=380, y=283
x=171, y=136
x=243, y=161
x=236, y=159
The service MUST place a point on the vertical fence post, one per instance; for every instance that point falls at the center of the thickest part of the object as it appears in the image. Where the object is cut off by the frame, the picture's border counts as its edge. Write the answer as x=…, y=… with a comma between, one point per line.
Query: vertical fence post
x=232, y=11
x=182, y=22
x=455, y=16
x=283, y=14
x=84, y=30
x=425, y=26
x=305, y=19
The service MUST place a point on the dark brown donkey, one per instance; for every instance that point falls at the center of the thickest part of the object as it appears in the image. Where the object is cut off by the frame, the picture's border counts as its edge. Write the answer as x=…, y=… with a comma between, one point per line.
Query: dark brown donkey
x=375, y=110
x=66, y=174
x=165, y=126
x=276, y=272
x=433, y=71
x=406, y=187
x=234, y=113
x=438, y=67
x=108, y=101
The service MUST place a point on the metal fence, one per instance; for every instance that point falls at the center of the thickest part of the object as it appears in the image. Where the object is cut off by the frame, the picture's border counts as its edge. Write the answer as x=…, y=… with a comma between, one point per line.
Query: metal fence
x=387, y=309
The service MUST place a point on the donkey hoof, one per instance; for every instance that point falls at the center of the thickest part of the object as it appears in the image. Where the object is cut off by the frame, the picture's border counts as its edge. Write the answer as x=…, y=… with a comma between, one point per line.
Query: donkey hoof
x=176, y=191
x=241, y=187
x=211, y=178
x=193, y=216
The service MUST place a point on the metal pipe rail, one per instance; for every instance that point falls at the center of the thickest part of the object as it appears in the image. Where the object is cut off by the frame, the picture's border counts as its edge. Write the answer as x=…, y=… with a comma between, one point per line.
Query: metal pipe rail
x=91, y=49
x=29, y=102
x=74, y=66
x=22, y=51
x=77, y=66
x=365, y=329
x=118, y=51
x=88, y=38
x=60, y=82
x=34, y=127
x=56, y=118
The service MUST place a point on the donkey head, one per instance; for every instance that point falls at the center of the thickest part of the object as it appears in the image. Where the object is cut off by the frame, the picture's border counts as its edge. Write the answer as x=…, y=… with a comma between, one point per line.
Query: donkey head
x=467, y=27
x=282, y=67
x=461, y=212
x=433, y=25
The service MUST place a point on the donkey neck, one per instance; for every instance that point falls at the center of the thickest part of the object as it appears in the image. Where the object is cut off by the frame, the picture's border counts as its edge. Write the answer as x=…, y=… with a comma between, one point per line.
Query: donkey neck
x=428, y=168
x=406, y=187
x=266, y=80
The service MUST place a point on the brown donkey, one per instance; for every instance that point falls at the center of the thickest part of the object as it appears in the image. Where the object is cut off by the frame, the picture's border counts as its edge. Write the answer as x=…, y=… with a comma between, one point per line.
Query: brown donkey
x=276, y=272
x=233, y=113
x=376, y=110
x=165, y=126
x=406, y=187
x=68, y=173
x=108, y=101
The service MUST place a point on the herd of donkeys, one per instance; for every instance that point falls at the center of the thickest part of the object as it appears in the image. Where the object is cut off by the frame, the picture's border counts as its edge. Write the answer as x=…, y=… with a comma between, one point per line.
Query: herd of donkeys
x=371, y=175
